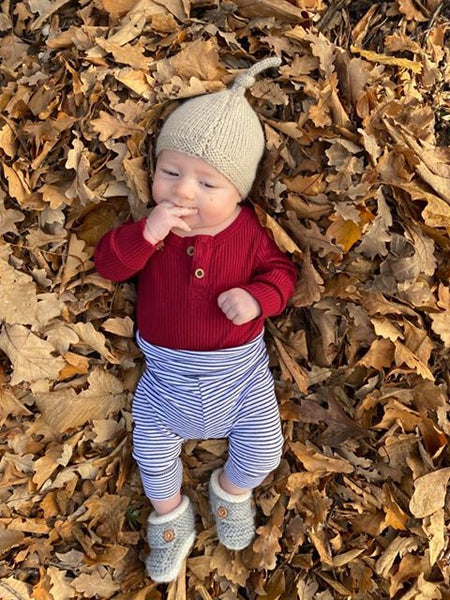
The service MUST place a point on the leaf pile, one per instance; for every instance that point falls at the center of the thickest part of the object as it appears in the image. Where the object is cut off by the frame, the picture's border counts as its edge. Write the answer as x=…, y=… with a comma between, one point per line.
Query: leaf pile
x=355, y=184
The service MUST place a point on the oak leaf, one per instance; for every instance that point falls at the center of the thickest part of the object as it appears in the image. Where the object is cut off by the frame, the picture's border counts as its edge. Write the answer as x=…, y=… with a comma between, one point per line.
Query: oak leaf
x=229, y=564
x=315, y=461
x=66, y=409
x=440, y=323
x=92, y=338
x=309, y=286
x=377, y=235
x=9, y=538
x=281, y=238
x=60, y=584
x=429, y=493
x=18, y=299
x=109, y=126
x=14, y=589
x=31, y=356
x=384, y=59
x=89, y=585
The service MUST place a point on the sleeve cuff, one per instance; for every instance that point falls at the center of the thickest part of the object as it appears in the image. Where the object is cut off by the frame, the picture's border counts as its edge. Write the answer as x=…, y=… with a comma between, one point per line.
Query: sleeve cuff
x=269, y=299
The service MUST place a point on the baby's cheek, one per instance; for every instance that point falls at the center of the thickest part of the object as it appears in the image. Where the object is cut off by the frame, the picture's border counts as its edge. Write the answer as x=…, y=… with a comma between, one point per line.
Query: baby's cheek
x=157, y=192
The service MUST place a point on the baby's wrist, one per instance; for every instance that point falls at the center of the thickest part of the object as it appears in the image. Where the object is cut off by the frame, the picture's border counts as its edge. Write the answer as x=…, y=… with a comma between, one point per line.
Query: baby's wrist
x=150, y=237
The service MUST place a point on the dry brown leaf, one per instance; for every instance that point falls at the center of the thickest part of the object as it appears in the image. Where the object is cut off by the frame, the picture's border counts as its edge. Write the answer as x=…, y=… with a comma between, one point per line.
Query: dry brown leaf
x=398, y=547
x=14, y=589
x=309, y=284
x=281, y=238
x=280, y=9
x=9, y=538
x=118, y=8
x=377, y=235
x=404, y=356
x=429, y=493
x=60, y=584
x=345, y=232
x=120, y=326
x=93, y=339
x=434, y=525
x=229, y=564
x=90, y=584
x=18, y=299
x=108, y=126
x=441, y=326
x=384, y=59
x=67, y=409
x=198, y=59
x=31, y=356
x=300, y=377
x=411, y=11
x=395, y=515
x=316, y=462
x=77, y=261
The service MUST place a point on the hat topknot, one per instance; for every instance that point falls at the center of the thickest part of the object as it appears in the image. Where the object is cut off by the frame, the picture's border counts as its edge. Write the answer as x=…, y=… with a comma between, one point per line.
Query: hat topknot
x=221, y=128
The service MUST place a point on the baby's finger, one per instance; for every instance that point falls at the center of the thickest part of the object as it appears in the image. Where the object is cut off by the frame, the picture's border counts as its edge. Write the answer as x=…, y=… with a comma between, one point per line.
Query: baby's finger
x=182, y=225
x=231, y=313
x=223, y=301
x=183, y=211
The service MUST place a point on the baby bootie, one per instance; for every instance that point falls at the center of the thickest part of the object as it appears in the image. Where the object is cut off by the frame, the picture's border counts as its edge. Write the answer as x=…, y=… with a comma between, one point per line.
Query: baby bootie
x=170, y=538
x=234, y=515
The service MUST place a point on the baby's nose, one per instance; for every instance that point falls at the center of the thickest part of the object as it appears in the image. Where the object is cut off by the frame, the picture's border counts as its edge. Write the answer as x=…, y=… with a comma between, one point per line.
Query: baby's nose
x=184, y=190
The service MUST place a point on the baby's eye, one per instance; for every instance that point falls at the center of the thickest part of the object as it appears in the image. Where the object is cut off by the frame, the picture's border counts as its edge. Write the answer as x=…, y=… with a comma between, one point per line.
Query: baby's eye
x=169, y=172
x=209, y=185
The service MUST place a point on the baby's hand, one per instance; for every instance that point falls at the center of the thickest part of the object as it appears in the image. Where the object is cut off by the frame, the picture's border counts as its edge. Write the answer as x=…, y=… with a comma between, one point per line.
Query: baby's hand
x=239, y=306
x=163, y=218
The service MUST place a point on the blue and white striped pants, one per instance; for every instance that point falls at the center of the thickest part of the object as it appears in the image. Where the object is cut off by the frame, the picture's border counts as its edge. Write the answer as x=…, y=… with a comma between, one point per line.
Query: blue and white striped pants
x=185, y=394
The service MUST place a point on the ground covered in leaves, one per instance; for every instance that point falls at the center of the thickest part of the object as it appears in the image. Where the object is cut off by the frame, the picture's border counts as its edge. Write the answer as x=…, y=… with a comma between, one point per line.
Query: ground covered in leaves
x=354, y=184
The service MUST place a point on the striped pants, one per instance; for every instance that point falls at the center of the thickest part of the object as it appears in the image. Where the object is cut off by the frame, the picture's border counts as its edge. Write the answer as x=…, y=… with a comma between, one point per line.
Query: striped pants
x=185, y=394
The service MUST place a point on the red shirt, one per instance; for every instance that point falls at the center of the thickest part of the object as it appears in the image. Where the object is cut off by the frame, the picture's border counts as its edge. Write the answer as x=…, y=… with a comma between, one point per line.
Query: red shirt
x=179, y=283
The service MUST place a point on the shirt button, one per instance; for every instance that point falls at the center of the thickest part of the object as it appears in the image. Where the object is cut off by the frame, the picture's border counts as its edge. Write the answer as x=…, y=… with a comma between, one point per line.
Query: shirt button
x=190, y=250
x=199, y=273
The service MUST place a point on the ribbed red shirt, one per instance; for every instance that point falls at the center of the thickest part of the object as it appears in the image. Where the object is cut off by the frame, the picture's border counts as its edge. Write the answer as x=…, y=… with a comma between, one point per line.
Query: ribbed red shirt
x=179, y=283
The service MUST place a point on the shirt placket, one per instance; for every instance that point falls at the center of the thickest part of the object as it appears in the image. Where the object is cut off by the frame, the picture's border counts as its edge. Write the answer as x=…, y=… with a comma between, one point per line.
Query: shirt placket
x=200, y=276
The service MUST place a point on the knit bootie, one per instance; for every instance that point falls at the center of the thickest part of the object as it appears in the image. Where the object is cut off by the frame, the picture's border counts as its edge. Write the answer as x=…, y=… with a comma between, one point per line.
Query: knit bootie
x=170, y=538
x=234, y=515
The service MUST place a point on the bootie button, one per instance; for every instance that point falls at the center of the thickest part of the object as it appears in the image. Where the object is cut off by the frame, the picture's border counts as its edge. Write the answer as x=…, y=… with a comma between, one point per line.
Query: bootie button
x=222, y=512
x=168, y=535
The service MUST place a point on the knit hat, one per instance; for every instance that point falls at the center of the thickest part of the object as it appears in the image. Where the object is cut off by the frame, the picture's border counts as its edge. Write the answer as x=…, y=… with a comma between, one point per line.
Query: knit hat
x=221, y=128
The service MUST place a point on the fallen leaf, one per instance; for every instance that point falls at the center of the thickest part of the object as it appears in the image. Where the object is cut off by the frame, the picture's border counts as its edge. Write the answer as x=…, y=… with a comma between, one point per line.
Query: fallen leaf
x=404, y=63
x=429, y=493
x=67, y=409
x=31, y=356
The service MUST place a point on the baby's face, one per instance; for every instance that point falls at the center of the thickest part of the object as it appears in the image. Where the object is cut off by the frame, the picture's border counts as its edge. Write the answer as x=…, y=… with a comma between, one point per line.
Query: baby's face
x=189, y=181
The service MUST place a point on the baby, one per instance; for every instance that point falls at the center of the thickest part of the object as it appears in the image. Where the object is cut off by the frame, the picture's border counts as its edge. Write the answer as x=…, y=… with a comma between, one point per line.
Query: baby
x=209, y=275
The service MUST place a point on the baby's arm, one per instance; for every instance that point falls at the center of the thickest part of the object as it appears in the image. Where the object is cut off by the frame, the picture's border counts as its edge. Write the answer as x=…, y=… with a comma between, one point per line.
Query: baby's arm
x=269, y=290
x=125, y=250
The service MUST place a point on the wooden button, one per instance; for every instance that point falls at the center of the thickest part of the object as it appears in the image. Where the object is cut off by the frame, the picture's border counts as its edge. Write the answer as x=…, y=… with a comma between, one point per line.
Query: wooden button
x=190, y=250
x=199, y=273
x=168, y=535
x=222, y=512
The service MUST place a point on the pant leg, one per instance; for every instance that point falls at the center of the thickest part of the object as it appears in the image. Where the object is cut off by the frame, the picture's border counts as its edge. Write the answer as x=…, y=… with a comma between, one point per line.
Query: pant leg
x=256, y=439
x=156, y=450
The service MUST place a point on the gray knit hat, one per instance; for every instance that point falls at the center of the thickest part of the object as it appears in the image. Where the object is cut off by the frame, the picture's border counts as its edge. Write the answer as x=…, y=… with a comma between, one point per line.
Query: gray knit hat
x=221, y=128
